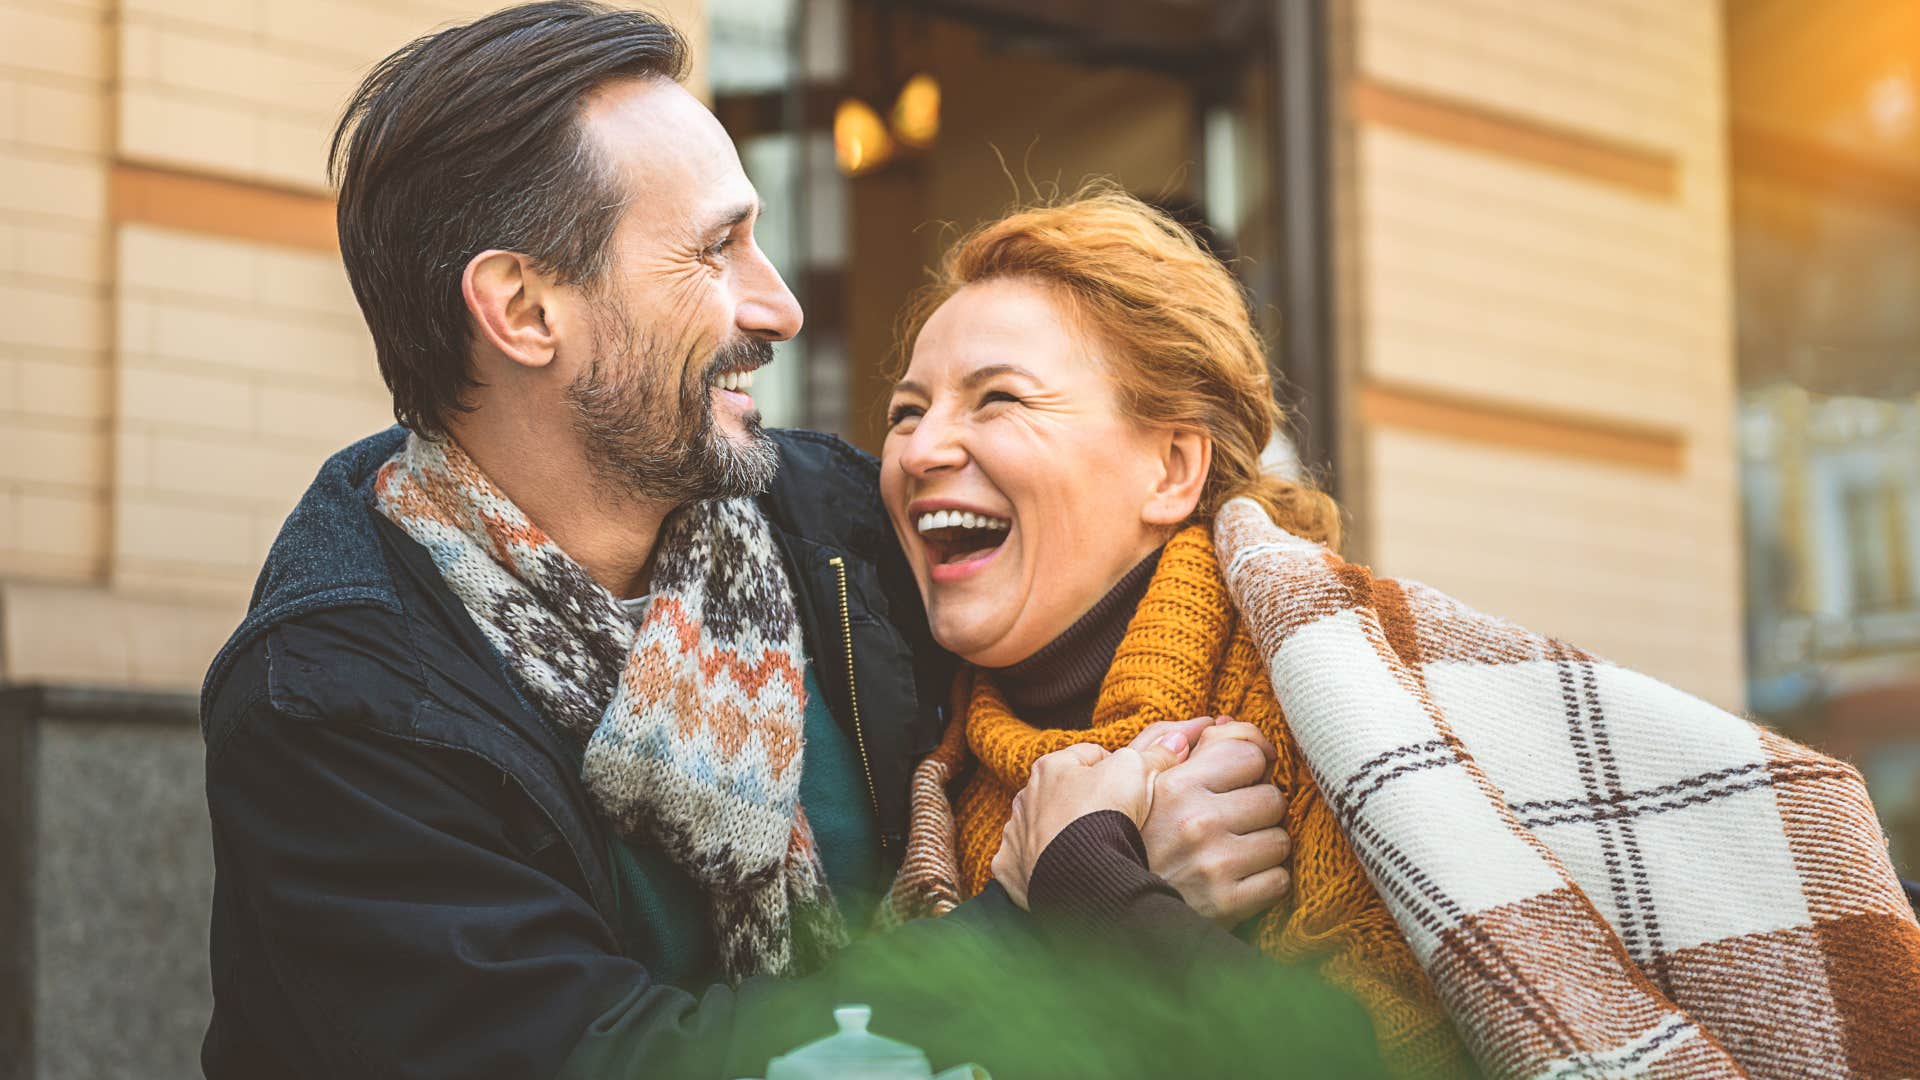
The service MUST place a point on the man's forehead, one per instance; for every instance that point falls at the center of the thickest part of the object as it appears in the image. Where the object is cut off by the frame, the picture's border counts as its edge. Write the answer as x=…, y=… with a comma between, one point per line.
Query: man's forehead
x=671, y=150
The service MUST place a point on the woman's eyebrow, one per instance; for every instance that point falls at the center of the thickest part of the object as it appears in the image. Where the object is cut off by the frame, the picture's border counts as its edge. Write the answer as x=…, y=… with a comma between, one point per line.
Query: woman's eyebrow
x=980, y=375
x=971, y=379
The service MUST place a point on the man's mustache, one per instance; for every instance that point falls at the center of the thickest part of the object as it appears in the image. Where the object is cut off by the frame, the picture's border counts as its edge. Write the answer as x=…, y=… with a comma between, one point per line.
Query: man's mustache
x=743, y=354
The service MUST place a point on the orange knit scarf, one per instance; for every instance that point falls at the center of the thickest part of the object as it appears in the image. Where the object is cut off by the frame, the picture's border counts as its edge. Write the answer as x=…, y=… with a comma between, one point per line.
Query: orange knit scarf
x=1187, y=653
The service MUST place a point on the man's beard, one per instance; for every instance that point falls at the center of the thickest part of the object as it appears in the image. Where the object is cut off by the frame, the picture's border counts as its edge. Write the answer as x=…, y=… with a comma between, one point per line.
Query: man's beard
x=646, y=417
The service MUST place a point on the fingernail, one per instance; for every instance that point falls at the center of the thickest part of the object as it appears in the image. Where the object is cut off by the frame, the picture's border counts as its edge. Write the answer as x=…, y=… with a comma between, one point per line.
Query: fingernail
x=1175, y=743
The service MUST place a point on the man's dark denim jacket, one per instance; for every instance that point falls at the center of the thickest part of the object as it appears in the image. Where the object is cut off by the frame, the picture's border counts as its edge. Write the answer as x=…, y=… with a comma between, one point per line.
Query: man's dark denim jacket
x=410, y=879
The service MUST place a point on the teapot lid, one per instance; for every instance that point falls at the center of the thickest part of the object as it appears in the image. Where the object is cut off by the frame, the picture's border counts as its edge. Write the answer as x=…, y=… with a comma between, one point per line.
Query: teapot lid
x=853, y=1047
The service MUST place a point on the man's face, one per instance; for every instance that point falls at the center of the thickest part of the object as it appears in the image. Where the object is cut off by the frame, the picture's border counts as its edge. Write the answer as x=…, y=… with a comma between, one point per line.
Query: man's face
x=686, y=310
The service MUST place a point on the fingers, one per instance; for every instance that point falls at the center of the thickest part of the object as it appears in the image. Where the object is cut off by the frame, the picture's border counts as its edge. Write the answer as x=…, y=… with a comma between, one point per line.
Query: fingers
x=1257, y=893
x=1158, y=757
x=1262, y=850
x=1237, y=729
x=1224, y=764
x=1251, y=808
x=1160, y=729
x=1081, y=754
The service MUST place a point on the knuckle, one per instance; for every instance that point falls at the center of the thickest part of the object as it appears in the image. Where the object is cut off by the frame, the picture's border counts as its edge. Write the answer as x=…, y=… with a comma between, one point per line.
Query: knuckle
x=1195, y=828
x=1273, y=803
x=1245, y=755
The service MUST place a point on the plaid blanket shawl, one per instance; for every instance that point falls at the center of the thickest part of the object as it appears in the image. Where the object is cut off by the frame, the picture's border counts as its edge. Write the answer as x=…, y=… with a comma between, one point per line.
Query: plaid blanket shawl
x=1602, y=875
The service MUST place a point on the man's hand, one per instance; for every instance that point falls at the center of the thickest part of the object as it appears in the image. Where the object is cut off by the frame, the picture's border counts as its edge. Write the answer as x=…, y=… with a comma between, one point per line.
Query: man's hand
x=1214, y=833
x=1069, y=784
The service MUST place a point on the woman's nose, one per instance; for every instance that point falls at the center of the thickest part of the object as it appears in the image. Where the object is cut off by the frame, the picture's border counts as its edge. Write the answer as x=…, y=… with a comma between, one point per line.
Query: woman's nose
x=933, y=446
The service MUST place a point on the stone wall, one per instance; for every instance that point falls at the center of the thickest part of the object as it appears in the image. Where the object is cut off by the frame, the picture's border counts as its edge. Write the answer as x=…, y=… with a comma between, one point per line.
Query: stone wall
x=111, y=863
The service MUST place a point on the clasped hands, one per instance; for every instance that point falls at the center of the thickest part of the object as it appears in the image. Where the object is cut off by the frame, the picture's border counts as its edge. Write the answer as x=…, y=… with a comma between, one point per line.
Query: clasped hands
x=1198, y=791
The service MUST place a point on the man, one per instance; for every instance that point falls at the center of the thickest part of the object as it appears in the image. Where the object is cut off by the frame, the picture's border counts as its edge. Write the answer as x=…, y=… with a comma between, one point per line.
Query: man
x=502, y=762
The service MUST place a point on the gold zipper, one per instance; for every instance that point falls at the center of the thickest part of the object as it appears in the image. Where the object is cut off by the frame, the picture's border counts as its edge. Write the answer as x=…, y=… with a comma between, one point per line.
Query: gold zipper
x=853, y=695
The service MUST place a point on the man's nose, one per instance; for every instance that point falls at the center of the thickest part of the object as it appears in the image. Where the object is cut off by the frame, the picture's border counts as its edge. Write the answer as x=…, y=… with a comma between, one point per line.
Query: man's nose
x=767, y=307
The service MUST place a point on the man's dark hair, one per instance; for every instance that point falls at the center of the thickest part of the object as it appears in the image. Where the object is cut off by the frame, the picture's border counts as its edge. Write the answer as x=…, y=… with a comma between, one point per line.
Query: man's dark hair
x=469, y=139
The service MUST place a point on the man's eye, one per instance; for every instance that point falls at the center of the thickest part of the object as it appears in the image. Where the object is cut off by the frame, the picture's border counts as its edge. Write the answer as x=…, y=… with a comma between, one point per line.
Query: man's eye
x=992, y=396
x=899, y=413
x=718, y=247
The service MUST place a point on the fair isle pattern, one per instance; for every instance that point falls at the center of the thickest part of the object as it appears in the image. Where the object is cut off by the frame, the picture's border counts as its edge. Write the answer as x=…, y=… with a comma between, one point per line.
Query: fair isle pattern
x=691, y=725
x=1602, y=875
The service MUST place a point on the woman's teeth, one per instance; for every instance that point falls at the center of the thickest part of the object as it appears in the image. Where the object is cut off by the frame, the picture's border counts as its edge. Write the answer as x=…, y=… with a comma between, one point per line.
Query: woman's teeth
x=735, y=380
x=960, y=519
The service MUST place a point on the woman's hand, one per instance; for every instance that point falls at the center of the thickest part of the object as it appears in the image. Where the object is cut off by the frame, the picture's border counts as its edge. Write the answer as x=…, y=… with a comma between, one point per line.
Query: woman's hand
x=1214, y=833
x=1069, y=784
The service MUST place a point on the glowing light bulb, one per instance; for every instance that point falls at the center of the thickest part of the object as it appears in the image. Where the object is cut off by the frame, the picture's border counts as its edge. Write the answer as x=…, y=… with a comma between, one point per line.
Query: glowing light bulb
x=916, y=112
x=860, y=140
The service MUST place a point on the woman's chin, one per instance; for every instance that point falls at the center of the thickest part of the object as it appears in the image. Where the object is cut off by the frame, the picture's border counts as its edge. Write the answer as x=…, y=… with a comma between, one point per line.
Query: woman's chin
x=972, y=638
x=983, y=649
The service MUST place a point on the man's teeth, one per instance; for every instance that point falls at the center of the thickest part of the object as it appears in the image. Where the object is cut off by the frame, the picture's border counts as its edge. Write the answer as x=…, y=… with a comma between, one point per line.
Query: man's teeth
x=735, y=380
x=959, y=519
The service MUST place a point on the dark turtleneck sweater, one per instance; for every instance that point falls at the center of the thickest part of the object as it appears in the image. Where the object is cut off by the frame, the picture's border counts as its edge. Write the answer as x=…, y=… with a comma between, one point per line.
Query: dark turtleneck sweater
x=1058, y=686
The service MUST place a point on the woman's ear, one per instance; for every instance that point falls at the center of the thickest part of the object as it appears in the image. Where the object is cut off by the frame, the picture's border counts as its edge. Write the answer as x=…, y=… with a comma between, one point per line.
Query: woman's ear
x=508, y=298
x=1186, y=457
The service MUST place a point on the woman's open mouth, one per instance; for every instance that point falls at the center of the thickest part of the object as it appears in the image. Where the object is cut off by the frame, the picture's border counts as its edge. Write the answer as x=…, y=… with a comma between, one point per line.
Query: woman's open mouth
x=959, y=541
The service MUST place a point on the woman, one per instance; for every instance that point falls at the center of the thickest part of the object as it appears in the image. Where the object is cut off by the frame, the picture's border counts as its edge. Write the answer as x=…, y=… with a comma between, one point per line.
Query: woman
x=1596, y=873
x=1085, y=390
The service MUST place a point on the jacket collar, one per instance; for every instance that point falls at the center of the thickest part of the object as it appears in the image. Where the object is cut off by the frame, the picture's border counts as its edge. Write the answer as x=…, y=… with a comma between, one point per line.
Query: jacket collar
x=328, y=552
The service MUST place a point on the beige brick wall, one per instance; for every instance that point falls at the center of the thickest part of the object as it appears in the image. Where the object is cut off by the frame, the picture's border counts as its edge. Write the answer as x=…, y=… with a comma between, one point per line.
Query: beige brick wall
x=240, y=367
x=1490, y=278
x=165, y=397
x=251, y=89
x=54, y=280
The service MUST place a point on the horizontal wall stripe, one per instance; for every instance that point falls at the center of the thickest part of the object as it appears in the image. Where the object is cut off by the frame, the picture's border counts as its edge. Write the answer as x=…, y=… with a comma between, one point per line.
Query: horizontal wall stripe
x=1639, y=169
x=232, y=208
x=1549, y=431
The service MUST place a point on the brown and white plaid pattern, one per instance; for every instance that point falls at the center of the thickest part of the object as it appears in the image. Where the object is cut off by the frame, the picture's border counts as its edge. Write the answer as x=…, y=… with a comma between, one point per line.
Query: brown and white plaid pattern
x=1603, y=876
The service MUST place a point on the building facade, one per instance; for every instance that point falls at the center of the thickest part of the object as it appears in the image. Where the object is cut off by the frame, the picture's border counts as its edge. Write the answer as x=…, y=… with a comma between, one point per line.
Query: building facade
x=1557, y=310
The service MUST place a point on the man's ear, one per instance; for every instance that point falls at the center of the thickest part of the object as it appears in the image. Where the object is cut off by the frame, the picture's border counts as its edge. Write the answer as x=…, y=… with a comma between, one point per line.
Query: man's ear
x=1186, y=458
x=508, y=298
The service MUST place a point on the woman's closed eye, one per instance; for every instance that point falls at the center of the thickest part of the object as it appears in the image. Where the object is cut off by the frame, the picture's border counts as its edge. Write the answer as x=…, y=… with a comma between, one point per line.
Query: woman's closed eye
x=903, y=412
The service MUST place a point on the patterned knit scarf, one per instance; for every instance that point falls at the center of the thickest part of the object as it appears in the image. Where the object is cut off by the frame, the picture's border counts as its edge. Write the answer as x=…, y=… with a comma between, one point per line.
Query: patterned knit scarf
x=1186, y=653
x=691, y=726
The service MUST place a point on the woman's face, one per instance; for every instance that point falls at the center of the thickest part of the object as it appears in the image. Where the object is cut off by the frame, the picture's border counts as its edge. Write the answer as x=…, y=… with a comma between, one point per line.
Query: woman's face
x=1019, y=491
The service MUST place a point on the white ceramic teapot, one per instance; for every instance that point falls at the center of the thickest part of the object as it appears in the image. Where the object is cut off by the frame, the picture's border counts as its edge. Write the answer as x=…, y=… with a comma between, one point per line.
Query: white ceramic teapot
x=857, y=1054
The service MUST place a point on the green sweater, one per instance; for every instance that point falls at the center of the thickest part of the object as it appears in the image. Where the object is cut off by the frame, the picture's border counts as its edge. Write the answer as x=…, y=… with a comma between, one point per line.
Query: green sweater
x=663, y=912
